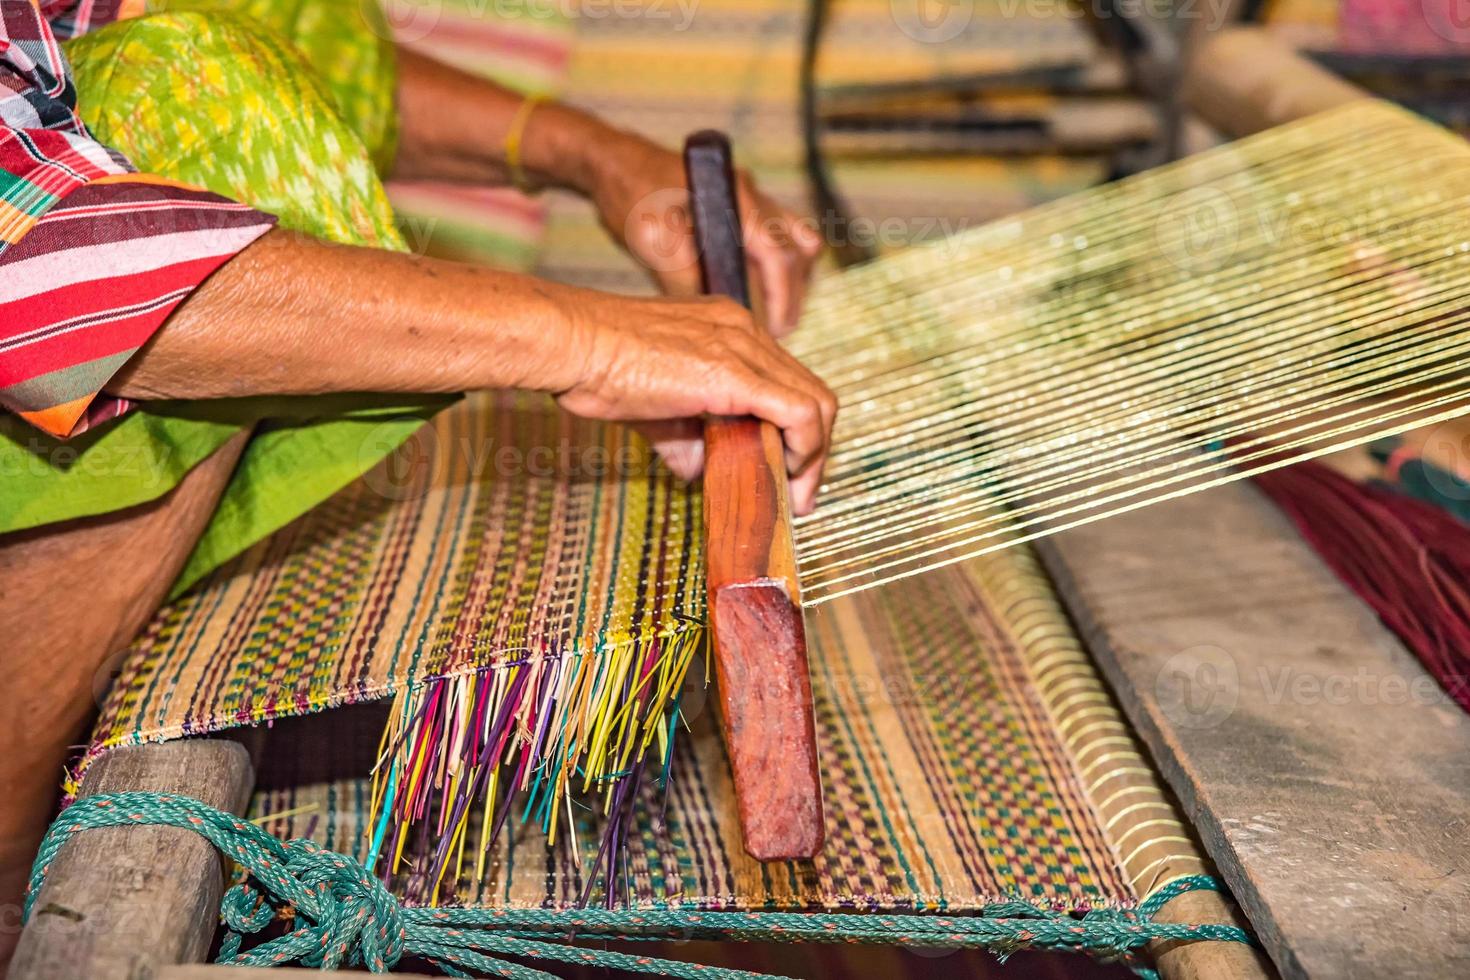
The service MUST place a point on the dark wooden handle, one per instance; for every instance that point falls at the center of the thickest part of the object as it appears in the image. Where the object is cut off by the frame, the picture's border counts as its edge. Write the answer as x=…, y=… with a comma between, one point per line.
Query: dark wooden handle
x=754, y=599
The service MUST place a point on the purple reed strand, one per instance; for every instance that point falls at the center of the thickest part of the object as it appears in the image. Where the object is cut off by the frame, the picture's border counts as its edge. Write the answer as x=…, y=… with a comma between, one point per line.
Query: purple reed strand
x=510, y=788
x=424, y=742
x=650, y=661
x=415, y=719
x=430, y=748
x=613, y=834
x=417, y=844
x=497, y=734
x=469, y=792
x=505, y=717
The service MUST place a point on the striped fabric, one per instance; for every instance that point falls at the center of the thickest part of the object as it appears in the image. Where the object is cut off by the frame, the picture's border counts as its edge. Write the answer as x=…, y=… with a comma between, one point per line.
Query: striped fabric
x=496, y=538
x=93, y=256
x=504, y=527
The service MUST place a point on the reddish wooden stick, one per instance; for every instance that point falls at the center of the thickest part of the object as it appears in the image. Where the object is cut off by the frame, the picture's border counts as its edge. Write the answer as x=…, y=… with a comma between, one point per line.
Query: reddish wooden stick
x=754, y=600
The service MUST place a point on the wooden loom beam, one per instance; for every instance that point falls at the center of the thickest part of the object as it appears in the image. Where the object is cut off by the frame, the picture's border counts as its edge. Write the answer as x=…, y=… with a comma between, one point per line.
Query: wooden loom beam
x=1313, y=754
x=127, y=901
x=754, y=598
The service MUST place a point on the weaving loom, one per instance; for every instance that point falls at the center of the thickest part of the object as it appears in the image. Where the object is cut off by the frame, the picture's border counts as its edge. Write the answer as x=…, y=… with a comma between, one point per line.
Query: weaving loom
x=533, y=620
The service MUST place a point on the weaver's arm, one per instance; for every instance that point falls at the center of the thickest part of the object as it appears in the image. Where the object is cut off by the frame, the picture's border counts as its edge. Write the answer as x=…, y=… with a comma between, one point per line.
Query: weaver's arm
x=454, y=127
x=292, y=315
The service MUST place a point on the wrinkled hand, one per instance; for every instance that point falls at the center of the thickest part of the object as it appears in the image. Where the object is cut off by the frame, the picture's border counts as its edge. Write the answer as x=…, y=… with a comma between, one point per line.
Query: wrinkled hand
x=663, y=364
x=641, y=196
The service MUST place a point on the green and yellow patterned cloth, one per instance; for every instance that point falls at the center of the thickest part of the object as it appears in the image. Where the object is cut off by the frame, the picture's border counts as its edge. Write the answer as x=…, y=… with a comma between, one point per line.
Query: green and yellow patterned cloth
x=287, y=106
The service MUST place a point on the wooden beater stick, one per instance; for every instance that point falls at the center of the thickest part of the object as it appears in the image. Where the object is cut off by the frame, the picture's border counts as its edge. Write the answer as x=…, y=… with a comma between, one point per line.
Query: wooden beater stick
x=754, y=600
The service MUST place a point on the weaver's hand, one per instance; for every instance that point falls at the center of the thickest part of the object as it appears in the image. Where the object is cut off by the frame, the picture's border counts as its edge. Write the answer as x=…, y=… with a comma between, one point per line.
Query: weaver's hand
x=456, y=127
x=664, y=363
x=640, y=193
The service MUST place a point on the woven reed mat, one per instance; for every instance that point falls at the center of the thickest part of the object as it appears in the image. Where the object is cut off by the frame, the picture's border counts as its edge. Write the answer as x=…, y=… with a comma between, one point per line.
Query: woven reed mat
x=971, y=756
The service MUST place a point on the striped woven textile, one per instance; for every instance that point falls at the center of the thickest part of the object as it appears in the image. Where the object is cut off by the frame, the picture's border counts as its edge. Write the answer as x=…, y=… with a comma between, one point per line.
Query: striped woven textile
x=502, y=527
x=542, y=564
x=949, y=783
x=93, y=254
x=945, y=704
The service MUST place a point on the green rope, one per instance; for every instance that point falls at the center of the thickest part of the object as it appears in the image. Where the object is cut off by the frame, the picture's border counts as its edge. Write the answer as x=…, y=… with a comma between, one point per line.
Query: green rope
x=344, y=915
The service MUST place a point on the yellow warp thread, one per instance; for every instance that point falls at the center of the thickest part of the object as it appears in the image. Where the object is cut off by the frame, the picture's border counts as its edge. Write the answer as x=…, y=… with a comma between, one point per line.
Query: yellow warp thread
x=1262, y=303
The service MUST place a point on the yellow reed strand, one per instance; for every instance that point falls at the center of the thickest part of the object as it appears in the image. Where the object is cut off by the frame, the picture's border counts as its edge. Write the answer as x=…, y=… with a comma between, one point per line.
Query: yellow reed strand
x=295, y=811
x=398, y=846
x=618, y=655
x=378, y=784
x=487, y=812
x=1143, y=829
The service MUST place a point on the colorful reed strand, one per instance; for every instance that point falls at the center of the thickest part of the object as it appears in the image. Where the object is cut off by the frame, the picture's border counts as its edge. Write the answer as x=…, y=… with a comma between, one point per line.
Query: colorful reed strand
x=534, y=727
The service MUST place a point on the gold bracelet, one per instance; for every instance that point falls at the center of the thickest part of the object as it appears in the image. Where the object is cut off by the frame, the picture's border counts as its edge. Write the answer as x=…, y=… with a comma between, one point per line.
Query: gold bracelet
x=513, y=138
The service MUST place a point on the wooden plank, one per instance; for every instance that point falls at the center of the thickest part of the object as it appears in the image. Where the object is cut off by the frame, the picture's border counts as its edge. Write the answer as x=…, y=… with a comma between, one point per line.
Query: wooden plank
x=126, y=901
x=1323, y=769
x=754, y=600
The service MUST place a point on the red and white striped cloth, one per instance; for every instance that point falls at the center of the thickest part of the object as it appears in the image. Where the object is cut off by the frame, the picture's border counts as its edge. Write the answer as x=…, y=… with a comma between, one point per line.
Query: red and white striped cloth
x=93, y=255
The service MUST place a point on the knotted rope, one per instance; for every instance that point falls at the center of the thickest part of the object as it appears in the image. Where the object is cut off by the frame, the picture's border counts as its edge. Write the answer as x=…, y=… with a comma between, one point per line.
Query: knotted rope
x=344, y=915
